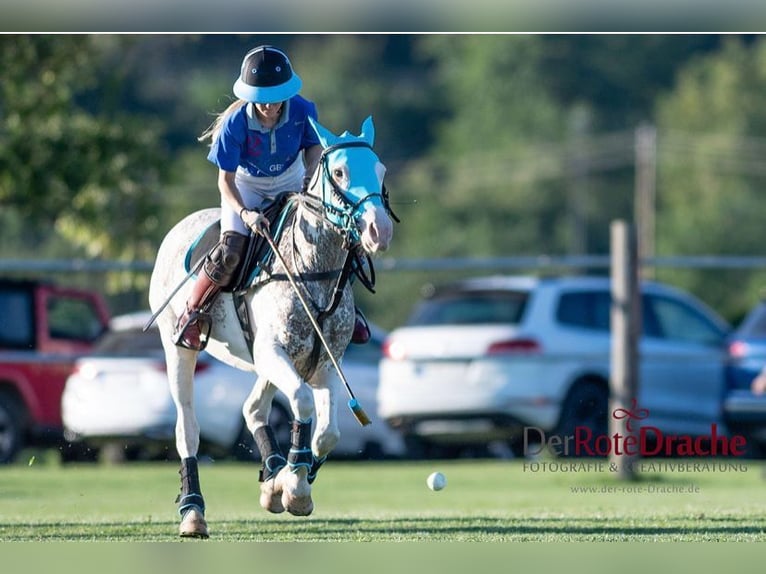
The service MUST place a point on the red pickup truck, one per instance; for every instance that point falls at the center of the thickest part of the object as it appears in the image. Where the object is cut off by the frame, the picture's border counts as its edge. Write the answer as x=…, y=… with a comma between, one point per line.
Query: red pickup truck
x=43, y=329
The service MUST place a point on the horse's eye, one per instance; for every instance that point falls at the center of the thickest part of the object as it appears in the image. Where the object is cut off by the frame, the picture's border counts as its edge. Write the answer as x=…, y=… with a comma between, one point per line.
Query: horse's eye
x=338, y=173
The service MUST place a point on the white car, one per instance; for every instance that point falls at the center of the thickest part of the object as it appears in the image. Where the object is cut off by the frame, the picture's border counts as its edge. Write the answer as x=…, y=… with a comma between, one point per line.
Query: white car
x=119, y=397
x=486, y=360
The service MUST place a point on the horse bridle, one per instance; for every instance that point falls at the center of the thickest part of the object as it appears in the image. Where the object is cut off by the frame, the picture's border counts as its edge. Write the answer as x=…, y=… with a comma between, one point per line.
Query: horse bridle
x=342, y=219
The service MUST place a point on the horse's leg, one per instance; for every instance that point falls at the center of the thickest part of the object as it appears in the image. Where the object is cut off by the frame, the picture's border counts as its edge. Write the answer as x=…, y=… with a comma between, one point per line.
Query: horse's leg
x=296, y=489
x=191, y=505
x=275, y=366
x=326, y=432
x=256, y=410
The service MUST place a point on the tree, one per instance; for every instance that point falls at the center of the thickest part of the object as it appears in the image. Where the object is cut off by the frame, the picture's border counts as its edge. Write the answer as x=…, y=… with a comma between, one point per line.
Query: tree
x=353, y=76
x=473, y=197
x=617, y=75
x=94, y=175
x=710, y=185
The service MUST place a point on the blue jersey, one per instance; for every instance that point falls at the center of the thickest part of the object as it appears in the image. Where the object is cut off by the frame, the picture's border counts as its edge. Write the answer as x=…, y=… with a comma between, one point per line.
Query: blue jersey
x=261, y=152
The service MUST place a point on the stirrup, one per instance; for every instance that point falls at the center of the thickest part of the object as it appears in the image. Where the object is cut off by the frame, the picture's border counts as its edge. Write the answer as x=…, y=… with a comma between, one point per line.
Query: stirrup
x=194, y=320
x=361, y=334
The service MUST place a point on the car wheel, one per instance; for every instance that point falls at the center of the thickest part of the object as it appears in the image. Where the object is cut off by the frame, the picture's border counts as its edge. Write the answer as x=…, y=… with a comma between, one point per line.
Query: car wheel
x=585, y=406
x=373, y=451
x=11, y=428
x=516, y=447
x=77, y=452
x=280, y=421
x=416, y=448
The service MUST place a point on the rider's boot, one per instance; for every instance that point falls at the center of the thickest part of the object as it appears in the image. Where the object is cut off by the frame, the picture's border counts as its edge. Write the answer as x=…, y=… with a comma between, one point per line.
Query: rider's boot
x=193, y=326
x=361, y=333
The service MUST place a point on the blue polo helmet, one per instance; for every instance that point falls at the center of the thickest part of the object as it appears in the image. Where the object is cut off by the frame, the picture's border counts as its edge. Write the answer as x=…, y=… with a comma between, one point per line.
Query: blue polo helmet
x=266, y=77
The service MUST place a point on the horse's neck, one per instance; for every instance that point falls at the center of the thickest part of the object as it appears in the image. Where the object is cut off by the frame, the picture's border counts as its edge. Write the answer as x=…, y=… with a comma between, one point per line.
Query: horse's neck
x=316, y=246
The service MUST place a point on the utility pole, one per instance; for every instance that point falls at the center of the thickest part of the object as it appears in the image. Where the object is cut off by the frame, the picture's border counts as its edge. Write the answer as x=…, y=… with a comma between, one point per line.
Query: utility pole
x=645, y=195
x=577, y=196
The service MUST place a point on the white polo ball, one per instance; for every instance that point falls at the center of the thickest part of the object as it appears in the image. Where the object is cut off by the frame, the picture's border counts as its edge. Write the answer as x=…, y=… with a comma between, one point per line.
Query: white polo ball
x=436, y=481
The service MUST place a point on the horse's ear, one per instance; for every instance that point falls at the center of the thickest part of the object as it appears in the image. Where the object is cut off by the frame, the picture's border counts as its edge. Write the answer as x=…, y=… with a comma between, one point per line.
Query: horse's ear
x=368, y=131
x=326, y=137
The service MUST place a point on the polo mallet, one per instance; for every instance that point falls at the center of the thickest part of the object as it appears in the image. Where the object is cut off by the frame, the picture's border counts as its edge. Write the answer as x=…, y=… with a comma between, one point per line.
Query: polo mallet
x=353, y=404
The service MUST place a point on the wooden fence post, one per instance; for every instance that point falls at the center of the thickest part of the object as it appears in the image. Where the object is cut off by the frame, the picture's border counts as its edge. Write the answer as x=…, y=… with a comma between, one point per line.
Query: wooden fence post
x=626, y=329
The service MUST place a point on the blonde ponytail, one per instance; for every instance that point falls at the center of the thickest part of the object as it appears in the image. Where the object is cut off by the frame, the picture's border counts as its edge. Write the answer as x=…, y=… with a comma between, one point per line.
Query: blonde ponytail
x=214, y=129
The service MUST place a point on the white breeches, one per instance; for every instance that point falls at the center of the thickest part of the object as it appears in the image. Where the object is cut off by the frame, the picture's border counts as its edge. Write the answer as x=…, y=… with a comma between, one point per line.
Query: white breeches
x=259, y=192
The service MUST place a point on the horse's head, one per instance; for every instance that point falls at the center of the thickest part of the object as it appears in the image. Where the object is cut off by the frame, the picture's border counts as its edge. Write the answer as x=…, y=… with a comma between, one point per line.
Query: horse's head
x=349, y=182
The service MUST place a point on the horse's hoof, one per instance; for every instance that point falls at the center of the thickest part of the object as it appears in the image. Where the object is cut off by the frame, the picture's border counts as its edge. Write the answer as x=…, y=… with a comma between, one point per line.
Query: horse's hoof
x=271, y=499
x=193, y=525
x=298, y=505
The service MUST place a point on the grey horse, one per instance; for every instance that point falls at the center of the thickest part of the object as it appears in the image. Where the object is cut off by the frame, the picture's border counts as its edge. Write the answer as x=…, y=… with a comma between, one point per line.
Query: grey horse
x=344, y=210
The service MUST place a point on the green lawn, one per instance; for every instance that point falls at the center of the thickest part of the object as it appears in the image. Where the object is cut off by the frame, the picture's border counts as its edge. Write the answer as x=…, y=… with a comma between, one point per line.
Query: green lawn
x=355, y=501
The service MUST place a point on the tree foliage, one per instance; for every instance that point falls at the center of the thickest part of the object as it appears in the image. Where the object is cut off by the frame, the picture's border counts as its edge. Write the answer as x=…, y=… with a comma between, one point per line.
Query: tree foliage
x=712, y=169
x=92, y=176
x=495, y=145
x=480, y=178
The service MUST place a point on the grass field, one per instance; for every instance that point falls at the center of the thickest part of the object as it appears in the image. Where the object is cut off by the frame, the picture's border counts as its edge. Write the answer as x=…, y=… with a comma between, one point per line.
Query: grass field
x=389, y=501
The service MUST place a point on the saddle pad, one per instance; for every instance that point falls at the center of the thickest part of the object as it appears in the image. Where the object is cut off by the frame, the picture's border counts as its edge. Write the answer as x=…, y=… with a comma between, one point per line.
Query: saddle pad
x=203, y=245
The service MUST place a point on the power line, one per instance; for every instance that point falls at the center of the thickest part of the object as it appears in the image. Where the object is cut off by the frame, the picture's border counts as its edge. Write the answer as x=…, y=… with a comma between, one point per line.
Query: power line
x=745, y=155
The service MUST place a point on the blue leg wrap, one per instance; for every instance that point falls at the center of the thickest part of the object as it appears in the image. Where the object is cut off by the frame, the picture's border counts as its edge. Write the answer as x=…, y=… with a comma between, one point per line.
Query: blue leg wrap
x=191, y=493
x=186, y=503
x=315, y=464
x=271, y=467
x=300, y=446
x=271, y=455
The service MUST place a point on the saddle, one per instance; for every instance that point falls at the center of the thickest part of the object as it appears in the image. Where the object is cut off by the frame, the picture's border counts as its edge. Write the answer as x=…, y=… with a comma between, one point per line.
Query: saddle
x=258, y=254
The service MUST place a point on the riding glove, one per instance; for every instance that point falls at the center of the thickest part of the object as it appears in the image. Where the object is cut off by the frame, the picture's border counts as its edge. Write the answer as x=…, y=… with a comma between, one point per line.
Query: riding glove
x=255, y=220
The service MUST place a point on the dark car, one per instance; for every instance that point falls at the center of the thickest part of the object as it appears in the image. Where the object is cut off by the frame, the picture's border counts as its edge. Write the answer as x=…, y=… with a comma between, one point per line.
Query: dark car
x=744, y=410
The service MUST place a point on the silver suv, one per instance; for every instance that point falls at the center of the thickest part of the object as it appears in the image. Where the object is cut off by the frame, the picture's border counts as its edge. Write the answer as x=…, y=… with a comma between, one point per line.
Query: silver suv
x=505, y=360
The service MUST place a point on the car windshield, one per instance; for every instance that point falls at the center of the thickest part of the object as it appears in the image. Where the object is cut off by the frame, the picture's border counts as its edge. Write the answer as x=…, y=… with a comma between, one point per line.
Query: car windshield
x=471, y=308
x=130, y=343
